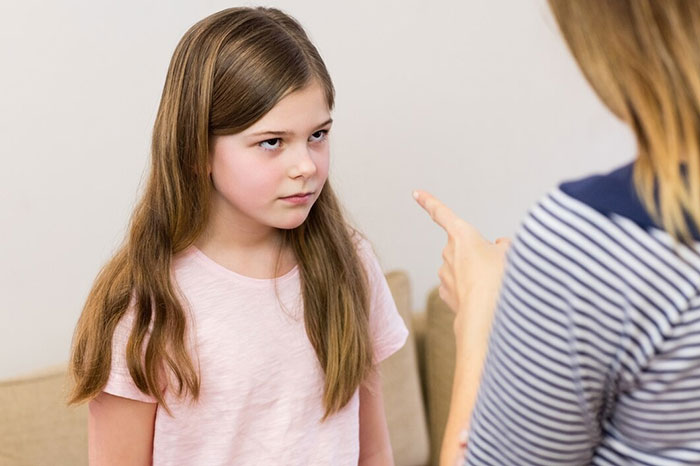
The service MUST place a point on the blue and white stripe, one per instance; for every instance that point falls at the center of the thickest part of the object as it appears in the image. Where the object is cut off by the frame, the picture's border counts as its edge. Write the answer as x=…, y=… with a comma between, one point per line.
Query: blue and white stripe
x=595, y=348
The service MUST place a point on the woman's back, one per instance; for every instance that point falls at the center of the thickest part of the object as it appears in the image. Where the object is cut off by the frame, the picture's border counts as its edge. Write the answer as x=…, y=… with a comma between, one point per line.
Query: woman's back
x=594, y=350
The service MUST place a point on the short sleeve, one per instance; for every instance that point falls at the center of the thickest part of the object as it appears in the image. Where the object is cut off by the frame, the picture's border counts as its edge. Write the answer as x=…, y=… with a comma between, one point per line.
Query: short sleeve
x=387, y=328
x=120, y=382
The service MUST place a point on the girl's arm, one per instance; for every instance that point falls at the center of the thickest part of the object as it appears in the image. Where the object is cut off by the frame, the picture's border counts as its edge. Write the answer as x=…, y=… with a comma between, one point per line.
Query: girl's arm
x=375, y=448
x=120, y=431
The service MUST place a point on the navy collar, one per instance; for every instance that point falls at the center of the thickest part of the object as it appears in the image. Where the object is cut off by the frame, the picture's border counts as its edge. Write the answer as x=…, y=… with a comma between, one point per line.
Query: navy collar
x=615, y=193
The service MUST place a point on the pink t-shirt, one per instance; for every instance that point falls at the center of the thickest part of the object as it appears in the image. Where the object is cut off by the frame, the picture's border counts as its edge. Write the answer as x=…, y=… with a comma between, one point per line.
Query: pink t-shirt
x=261, y=383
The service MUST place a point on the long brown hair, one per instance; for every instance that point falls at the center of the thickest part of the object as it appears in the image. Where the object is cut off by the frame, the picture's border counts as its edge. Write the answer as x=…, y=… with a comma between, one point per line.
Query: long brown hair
x=642, y=57
x=228, y=71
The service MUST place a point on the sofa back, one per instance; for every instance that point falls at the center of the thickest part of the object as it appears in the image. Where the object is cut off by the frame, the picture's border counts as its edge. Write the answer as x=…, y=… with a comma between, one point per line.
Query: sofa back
x=36, y=426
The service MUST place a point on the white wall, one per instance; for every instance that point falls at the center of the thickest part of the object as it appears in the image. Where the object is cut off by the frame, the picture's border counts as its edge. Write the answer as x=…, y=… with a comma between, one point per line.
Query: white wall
x=477, y=101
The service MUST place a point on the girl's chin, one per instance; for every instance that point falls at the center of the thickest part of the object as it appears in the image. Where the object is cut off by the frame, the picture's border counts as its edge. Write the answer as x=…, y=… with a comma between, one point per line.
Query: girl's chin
x=292, y=221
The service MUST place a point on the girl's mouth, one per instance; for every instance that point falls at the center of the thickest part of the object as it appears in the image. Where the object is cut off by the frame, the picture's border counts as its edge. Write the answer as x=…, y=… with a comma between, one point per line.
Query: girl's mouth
x=299, y=198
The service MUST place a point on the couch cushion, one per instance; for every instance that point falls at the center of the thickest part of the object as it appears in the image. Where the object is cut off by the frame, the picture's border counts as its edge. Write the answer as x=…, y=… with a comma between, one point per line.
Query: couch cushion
x=36, y=426
x=401, y=388
x=439, y=368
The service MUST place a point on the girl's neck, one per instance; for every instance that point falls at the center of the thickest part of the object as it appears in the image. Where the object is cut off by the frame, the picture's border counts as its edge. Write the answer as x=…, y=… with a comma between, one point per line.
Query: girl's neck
x=256, y=251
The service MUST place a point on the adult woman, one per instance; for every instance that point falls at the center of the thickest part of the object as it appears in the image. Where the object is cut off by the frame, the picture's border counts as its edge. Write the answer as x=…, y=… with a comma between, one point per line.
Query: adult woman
x=593, y=353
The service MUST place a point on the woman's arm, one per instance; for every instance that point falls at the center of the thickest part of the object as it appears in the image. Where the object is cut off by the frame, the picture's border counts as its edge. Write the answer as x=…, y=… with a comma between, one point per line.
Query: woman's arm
x=470, y=278
x=469, y=361
x=120, y=431
x=375, y=448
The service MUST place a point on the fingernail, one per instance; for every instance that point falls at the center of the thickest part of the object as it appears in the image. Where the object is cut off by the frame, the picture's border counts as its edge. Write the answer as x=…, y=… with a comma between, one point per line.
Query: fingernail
x=415, y=195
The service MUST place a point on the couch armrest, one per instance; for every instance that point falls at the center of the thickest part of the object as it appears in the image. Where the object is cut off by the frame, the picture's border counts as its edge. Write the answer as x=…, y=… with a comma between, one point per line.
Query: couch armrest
x=420, y=328
x=439, y=361
x=401, y=384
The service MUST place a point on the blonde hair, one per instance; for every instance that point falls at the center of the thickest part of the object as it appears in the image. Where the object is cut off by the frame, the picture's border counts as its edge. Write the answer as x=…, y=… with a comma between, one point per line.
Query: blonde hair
x=228, y=71
x=642, y=57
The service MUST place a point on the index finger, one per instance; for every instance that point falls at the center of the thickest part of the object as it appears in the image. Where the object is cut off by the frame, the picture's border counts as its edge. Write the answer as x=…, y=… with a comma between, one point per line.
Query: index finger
x=439, y=212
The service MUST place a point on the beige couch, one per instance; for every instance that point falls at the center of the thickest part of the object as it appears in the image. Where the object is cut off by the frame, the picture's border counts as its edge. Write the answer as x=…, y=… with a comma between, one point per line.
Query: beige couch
x=37, y=429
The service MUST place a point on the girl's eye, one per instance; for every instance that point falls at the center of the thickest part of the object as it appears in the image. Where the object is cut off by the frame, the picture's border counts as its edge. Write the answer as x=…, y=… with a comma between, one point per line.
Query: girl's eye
x=319, y=136
x=271, y=144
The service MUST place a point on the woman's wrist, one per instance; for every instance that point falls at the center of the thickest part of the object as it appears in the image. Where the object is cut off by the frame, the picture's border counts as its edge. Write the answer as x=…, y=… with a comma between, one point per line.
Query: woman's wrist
x=472, y=323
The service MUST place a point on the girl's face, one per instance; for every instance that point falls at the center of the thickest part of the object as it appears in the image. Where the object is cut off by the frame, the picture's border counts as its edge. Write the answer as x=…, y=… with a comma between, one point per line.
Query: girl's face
x=272, y=173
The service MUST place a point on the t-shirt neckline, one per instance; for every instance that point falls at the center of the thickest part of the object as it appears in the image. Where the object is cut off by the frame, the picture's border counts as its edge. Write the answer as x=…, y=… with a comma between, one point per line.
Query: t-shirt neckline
x=218, y=269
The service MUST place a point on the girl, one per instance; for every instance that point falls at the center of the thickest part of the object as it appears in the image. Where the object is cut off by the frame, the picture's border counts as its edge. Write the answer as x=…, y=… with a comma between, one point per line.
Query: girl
x=242, y=320
x=593, y=357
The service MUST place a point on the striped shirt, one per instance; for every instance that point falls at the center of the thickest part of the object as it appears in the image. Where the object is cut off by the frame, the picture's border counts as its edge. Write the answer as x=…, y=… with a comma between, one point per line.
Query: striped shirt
x=594, y=355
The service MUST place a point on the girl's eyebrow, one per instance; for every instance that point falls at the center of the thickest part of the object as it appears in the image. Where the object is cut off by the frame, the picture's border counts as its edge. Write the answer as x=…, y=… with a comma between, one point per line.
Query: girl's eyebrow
x=285, y=133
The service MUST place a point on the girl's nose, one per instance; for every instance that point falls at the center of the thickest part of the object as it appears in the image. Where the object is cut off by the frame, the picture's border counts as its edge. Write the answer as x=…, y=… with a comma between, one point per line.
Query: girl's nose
x=304, y=165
